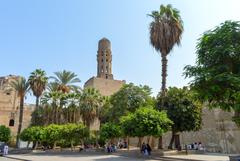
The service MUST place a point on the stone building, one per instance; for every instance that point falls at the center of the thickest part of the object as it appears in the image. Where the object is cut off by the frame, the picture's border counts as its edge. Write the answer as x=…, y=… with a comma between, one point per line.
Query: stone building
x=218, y=133
x=9, y=106
x=104, y=82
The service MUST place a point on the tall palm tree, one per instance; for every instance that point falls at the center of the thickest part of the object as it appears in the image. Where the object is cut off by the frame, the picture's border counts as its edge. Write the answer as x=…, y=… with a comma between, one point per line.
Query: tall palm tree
x=165, y=31
x=22, y=87
x=38, y=82
x=90, y=103
x=66, y=81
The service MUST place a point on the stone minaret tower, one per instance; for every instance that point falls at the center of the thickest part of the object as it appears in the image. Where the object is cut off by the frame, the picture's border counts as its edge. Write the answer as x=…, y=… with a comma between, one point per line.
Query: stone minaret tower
x=104, y=59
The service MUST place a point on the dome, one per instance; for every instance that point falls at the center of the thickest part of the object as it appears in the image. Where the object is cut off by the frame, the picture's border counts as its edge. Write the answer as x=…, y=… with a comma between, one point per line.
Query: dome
x=104, y=44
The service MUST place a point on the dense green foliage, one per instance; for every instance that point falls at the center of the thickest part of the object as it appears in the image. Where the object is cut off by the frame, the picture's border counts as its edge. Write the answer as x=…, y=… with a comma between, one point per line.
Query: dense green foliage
x=183, y=109
x=145, y=121
x=65, y=81
x=55, y=134
x=90, y=102
x=33, y=134
x=110, y=131
x=127, y=99
x=5, y=133
x=216, y=75
x=38, y=117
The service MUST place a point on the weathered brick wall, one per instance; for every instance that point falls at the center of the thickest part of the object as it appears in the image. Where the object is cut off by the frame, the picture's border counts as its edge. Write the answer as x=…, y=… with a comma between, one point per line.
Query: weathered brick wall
x=9, y=106
x=218, y=133
x=106, y=87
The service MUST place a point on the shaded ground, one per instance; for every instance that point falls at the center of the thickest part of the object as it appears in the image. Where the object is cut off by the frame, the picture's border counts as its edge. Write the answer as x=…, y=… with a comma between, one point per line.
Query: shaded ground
x=98, y=156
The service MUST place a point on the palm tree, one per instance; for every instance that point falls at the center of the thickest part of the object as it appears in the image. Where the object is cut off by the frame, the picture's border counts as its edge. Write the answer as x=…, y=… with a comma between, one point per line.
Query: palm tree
x=53, y=100
x=66, y=81
x=165, y=31
x=90, y=103
x=72, y=109
x=22, y=87
x=38, y=82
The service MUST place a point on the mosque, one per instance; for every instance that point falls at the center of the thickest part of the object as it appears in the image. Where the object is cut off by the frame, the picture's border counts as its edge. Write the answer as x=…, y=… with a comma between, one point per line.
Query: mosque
x=218, y=133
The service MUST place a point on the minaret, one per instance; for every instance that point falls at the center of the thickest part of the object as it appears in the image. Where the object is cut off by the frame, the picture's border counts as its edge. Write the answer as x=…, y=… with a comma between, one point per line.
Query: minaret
x=104, y=59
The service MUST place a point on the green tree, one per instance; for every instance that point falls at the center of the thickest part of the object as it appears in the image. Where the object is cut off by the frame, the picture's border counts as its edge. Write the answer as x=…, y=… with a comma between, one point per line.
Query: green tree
x=66, y=81
x=5, y=133
x=91, y=102
x=38, y=117
x=33, y=134
x=145, y=121
x=54, y=134
x=183, y=109
x=165, y=31
x=38, y=81
x=216, y=75
x=22, y=87
x=127, y=99
x=73, y=133
x=71, y=111
x=26, y=136
x=110, y=131
x=53, y=102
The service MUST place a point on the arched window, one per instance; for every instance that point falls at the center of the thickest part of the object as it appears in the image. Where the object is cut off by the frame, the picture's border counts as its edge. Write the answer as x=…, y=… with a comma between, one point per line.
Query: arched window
x=11, y=122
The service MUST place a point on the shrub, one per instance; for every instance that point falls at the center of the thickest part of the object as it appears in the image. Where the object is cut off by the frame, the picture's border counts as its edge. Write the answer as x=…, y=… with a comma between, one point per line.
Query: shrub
x=5, y=133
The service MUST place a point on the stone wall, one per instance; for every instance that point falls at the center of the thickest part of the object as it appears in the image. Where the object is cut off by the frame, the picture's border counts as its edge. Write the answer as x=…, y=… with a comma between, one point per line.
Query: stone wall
x=106, y=87
x=219, y=133
x=9, y=106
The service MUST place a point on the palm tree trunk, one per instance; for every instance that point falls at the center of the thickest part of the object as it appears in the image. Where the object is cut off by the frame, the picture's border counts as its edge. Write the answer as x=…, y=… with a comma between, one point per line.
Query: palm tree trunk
x=20, y=122
x=163, y=89
x=37, y=102
x=164, y=73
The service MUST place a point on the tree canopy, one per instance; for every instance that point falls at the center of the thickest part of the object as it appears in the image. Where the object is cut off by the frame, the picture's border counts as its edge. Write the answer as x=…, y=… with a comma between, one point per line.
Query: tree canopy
x=127, y=99
x=53, y=134
x=145, y=121
x=183, y=109
x=109, y=131
x=216, y=75
x=5, y=133
x=166, y=28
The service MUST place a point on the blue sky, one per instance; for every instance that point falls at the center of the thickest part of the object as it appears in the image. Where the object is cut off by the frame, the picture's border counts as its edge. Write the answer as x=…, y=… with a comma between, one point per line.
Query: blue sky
x=63, y=34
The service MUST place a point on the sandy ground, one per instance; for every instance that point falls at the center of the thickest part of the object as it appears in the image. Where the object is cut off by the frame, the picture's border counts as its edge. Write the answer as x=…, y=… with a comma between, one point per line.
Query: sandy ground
x=109, y=157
